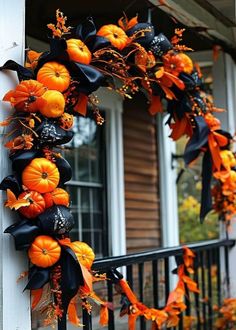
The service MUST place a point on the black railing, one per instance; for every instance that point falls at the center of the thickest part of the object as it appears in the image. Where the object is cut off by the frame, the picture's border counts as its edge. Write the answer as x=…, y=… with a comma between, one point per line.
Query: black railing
x=149, y=275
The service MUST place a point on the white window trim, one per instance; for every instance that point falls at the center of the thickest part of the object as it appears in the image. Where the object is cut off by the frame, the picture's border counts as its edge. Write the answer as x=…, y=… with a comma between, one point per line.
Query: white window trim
x=112, y=103
x=14, y=304
x=168, y=187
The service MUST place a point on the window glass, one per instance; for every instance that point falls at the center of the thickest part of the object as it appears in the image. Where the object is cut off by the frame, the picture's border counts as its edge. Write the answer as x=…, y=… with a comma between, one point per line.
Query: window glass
x=189, y=189
x=86, y=155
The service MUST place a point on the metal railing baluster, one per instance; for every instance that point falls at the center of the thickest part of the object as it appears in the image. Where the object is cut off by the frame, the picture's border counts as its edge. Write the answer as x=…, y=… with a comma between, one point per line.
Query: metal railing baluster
x=219, y=290
x=167, y=277
x=111, y=323
x=209, y=283
x=155, y=277
x=196, y=295
x=203, y=287
x=141, y=295
x=227, y=269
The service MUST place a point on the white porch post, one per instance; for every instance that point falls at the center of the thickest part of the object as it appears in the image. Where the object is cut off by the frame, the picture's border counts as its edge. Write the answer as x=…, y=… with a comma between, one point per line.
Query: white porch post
x=230, y=72
x=168, y=187
x=14, y=304
x=112, y=103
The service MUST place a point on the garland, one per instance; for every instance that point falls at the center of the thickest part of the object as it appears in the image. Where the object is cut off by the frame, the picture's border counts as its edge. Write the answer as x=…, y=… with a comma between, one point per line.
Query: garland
x=57, y=85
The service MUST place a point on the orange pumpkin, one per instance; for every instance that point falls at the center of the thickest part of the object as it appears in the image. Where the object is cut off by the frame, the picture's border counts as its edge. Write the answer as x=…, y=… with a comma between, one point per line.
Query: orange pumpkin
x=115, y=35
x=36, y=207
x=41, y=175
x=58, y=196
x=54, y=75
x=44, y=251
x=84, y=253
x=25, y=96
x=52, y=104
x=78, y=51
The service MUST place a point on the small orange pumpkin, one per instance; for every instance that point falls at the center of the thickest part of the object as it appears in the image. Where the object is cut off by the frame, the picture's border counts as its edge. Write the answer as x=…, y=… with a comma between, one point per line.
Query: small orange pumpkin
x=44, y=251
x=54, y=75
x=26, y=95
x=58, y=196
x=41, y=175
x=52, y=104
x=36, y=207
x=114, y=34
x=84, y=253
x=78, y=51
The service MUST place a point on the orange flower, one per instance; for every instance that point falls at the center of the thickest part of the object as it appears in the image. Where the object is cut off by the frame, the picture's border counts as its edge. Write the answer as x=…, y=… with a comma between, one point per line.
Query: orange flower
x=173, y=63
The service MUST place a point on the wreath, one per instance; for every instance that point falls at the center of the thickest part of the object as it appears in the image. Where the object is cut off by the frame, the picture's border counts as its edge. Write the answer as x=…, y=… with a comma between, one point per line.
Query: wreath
x=57, y=85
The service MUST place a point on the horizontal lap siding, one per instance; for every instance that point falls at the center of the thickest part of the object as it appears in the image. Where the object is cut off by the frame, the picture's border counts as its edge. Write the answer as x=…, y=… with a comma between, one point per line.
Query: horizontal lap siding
x=141, y=177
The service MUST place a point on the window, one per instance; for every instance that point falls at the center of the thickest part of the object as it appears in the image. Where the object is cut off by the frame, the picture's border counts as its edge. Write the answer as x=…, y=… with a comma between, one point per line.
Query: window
x=86, y=155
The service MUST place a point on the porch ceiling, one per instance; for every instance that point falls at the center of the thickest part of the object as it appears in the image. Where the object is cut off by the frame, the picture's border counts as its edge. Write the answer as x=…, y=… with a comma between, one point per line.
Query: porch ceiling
x=40, y=12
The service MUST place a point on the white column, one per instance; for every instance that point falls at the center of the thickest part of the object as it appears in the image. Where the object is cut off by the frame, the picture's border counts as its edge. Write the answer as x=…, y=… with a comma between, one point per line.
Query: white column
x=112, y=103
x=168, y=187
x=14, y=304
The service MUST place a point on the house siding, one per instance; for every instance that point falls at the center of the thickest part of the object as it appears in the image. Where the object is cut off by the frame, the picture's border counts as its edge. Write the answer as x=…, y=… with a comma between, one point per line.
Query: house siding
x=141, y=177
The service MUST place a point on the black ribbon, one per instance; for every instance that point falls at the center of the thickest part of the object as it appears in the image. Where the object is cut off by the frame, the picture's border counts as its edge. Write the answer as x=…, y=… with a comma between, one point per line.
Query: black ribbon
x=24, y=233
x=37, y=278
x=193, y=148
x=86, y=31
x=198, y=140
x=206, y=197
x=22, y=72
x=11, y=182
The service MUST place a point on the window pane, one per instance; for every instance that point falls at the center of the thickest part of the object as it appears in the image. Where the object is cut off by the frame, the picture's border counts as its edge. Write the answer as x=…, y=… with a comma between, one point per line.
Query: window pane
x=86, y=155
x=84, y=152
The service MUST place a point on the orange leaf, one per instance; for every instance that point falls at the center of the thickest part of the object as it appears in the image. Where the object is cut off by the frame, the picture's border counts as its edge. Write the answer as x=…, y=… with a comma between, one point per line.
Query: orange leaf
x=215, y=151
x=128, y=292
x=169, y=94
x=178, y=82
x=11, y=199
x=72, y=314
x=156, y=105
x=103, y=315
x=180, y=127
x=192, y=285
x=132, y=22
x=132, y=318
x=81, y=106
x=36, y=296
x=8, y=96
x=14, y=203
x=173, y=320
x=159, y=74
x=221, y=139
